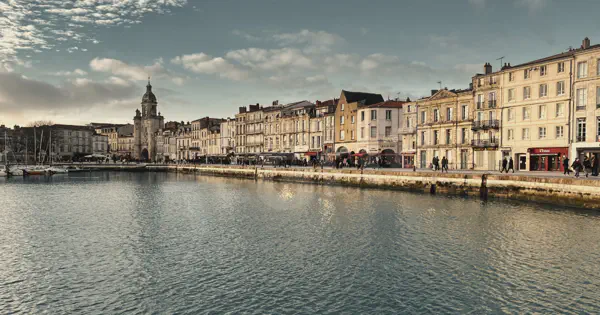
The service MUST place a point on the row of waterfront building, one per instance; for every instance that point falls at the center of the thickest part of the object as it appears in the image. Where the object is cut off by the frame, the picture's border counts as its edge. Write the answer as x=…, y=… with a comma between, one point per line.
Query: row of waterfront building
x=536, y=113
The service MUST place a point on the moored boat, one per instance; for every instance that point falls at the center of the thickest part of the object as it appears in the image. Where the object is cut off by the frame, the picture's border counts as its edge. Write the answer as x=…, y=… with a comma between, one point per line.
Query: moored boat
x=3, y=171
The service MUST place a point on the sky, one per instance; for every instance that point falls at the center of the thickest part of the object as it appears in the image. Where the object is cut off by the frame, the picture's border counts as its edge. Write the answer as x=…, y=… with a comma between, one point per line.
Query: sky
x=82, y=61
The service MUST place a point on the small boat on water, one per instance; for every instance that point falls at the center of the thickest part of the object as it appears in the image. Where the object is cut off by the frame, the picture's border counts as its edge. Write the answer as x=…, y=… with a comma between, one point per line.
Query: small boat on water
x=3, y=171
x=57, y=170
x=37, y=170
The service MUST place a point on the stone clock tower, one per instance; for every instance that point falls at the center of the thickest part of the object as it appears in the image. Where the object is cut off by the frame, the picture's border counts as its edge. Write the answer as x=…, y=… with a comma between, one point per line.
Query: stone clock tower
x=145, y=127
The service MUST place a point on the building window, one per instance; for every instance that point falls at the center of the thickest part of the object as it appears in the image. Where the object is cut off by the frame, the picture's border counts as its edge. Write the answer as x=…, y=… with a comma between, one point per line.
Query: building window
x=341, y=120
x=342, y=135
x=526, y=92
x=388, y=131
x=526, y=73
x=362, y=132
x=581, y=99
x=511, y=76
x=598, y=97
x=463, y=135
x=422, y=137
x=388, y=115
x=543, y=90
x=560, y=132
x=542, y=111
x=561, y=67
x=543, y=70
x=373, y=132
x=581, y=129
x=525, y=134
x=352, y=119
x=510, y=134
x=511, y=95
x=342, y=107
x=362, y=115
x=449, y=114
x=352, y=134
x=582, y=70
x=479, y=101
x=542, y=133
x=435, y=137
x=465, y=112
x=560, y=110
x=560, y=88
x=373, y=114
x=448, y=133
x=436, y=115
x=526, y=113
x=423, y=117
x=511, y=114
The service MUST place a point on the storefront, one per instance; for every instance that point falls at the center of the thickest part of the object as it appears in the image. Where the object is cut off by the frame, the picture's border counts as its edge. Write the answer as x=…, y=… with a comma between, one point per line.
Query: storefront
x=547, y=159
x=408, y=160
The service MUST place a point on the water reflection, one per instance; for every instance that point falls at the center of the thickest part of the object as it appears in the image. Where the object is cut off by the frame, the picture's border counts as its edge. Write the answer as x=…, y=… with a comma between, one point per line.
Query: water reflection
x=101, y=243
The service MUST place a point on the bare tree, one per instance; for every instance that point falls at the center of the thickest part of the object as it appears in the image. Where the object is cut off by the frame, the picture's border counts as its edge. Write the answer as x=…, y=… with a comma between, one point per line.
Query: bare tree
x=40, y=123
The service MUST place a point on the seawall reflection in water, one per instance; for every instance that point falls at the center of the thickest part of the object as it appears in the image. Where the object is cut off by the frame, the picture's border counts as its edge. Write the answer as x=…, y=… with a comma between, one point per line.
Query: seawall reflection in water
x=171, y=243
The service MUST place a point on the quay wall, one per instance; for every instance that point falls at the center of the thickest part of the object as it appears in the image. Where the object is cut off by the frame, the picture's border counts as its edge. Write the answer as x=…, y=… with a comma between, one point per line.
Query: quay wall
x=569, y=191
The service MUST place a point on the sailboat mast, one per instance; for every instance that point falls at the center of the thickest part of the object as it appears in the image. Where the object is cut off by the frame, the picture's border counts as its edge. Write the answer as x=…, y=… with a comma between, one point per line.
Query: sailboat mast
x=40, y=151
x=34, y=147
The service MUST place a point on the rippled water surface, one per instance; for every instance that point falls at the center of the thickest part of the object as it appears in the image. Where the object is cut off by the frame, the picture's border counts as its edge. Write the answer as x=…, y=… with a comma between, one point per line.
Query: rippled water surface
x=109, y=243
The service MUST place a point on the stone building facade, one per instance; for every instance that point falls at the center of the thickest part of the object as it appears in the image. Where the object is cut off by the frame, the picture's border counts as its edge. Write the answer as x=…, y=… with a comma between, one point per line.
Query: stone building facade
x=345, y=119
x=146, y=124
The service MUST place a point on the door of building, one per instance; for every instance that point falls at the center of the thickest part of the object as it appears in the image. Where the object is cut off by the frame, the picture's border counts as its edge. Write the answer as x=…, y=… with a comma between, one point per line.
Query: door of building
x=522, y=162
x=491, y=160
x=464, y=158
x=423, y=159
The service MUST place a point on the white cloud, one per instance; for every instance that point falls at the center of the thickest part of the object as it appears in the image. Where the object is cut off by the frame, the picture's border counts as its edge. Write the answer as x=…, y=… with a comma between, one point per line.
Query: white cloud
x=134, y=72
x=271, y=59
x=18, y=94
x=34, y=24
x=313, y=42
x=203, y=63
x=245, y=35
x=76, y=72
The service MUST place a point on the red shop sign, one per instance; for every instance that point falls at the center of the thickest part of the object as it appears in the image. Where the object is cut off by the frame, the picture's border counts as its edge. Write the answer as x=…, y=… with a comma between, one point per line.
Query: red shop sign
x=549, y=150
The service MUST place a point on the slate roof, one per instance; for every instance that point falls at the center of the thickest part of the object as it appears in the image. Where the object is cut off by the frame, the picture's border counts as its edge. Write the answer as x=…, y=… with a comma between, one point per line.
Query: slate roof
x=362, y=97
x=388, y=104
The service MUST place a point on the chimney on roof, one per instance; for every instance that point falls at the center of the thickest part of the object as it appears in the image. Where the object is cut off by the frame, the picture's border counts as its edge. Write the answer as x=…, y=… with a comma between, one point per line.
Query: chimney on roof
x=408, y=99
x=487, y=68
x=242, y=109
x=586, y=43
x=471, y=86
x=433, y=92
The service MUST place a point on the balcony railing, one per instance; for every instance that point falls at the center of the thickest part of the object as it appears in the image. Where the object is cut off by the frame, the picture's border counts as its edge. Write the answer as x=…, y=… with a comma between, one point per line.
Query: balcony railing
x=485, y=143
x=486, y=124
x=253, y=132
x=580, y=107
x=406, y=130
x=492, y=104
x=480, y=105
x=580, y=138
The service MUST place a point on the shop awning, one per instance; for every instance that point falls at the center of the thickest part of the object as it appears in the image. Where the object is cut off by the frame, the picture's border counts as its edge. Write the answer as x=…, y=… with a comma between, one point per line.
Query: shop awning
x=311, y=153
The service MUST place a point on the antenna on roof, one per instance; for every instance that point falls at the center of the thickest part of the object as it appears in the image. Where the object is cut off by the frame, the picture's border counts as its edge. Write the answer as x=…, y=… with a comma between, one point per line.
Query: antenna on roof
x=440, y=83
x=398, y=96
x=501, y=58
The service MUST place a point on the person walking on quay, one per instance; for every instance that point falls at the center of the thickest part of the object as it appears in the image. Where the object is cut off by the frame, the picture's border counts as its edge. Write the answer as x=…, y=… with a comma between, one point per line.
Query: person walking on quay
x=577, y=166
x=595, y=164
x=587, y=165
x=511, y=165
x=444, y=164
x=566, y=165
x=504, y=164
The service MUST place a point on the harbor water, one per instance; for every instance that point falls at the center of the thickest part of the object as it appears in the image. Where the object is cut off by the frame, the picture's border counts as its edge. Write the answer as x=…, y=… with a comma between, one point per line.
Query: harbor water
x=166, y=243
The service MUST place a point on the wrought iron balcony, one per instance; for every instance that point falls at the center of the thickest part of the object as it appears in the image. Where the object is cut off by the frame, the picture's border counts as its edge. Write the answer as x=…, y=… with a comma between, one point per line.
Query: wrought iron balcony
x=492, y=104
x=580, y=138
x=580, y=107
x=485, y=124
x=480, y=105
x=485, y=143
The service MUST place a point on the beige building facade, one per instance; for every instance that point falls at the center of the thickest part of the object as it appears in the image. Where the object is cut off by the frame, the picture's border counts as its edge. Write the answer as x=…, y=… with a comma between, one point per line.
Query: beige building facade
x=444, y=124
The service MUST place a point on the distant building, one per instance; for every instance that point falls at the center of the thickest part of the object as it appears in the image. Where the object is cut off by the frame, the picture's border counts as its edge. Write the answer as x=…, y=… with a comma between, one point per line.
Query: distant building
x=146, y=126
